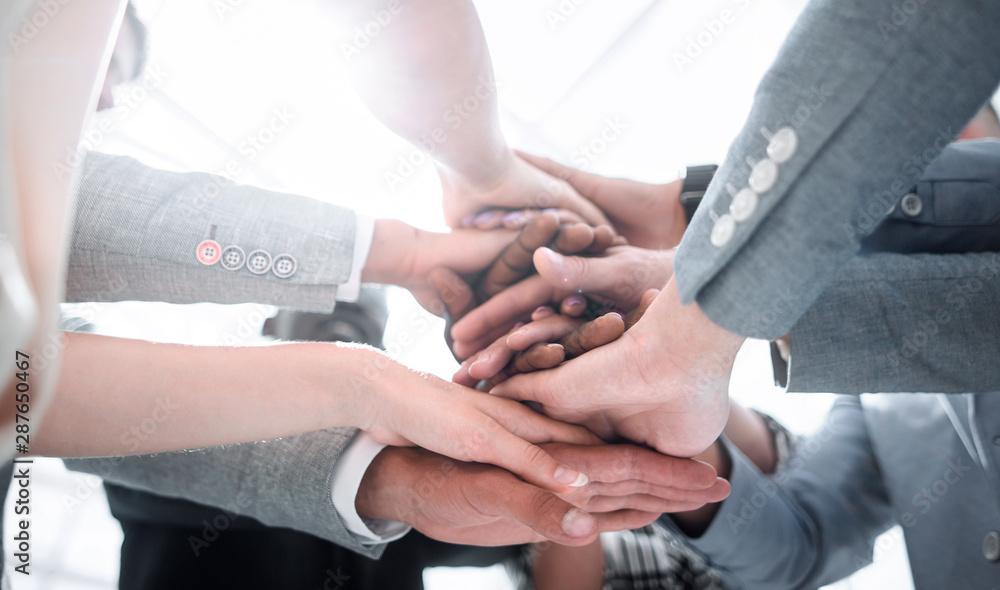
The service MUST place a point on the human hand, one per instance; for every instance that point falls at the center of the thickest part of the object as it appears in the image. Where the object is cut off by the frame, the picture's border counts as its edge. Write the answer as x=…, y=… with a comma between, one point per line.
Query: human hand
x=616, y=280
x=546, y=341
x=518, y=186
x=401, y=407
x=479, y=504
x=663, y=383
x=648, y=215
x=457, y=297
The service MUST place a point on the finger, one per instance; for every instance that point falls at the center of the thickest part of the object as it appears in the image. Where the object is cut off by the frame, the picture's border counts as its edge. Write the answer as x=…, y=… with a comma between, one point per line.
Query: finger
x=636, y=314
x=624, y=520
x=640, y=502
x=625, y=462
x=537, y=358
x=490, y=219
x=454, y=293
x=504, y=308
x=584, y=182
x=573, y=238
x=571, y=272
x=604, y=237
x=573, y=306
x=515, y=262
x=466, y=348
x=543, y=512
x=603, y=330
x=542, y=312
x=527, y=387
x=549, y=329
x=567, y=217
x=492, y=359
x=462, y=376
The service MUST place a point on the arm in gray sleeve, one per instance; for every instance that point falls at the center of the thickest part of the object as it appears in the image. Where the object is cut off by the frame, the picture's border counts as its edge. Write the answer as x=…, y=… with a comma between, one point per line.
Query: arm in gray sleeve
x=903, y=323
x=282, y=483
x=149, y=235
x=864, y=97
x=808, y=525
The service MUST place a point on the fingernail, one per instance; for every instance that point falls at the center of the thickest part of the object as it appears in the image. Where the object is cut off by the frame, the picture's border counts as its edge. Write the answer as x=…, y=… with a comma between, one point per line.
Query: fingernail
x=554, y=258
x=577, y=523
x=550, y=210
x=570, y=477
x=484, y=218
x=469, y=219
x=543, y=311
x=480, y=359
x=576, y=301
x=513, y=217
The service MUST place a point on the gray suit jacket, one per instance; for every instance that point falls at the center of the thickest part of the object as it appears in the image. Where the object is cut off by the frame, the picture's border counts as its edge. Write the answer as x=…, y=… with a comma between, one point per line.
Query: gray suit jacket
x=923, y=461
x=873, y=91
x=135, y=238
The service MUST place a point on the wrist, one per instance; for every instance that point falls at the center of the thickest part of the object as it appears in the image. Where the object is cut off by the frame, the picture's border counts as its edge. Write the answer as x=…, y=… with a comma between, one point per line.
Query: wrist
x=670, y=208
x=376, y=497
x=391, y=258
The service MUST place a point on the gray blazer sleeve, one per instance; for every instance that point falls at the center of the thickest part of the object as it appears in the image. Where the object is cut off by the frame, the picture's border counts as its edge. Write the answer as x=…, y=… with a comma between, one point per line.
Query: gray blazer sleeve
x=873, y=95
x=135, y=238
x=137, y=232
x=897, y=323
x=284, y=483
x=920, y=322
x=808, y=525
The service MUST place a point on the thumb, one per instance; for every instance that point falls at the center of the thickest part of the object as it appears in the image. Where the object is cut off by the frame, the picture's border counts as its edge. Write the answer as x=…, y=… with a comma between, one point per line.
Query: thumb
x=546, y=513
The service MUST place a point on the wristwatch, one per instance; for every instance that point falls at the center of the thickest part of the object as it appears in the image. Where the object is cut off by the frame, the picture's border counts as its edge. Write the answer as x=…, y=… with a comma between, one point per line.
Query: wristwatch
x=693, y=188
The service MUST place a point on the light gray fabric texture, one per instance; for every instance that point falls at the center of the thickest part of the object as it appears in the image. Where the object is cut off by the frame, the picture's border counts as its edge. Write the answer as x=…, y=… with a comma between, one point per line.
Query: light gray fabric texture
x=877, y=461
x=134, y=238
x=137, y=230
x=873, y=97
x=284, y=483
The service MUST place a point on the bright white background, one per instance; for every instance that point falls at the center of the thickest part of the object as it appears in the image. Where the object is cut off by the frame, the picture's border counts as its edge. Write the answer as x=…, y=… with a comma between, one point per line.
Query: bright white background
x=565, y=68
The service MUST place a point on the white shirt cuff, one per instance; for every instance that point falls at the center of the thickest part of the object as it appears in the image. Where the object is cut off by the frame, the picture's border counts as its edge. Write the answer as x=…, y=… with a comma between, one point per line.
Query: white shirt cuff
x=348, y=472
x=364, y=231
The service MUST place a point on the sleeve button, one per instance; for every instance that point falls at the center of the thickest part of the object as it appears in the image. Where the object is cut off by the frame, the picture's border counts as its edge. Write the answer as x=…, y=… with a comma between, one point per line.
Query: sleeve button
x=764, y=176
x=783, y=145
x=911, y=205
x=208, y=252
x=259, y=262
x=723, y=231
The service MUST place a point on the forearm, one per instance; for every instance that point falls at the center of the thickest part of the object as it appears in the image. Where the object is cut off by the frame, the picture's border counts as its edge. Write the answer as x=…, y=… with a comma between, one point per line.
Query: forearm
x=117, y=396
x=428, y=77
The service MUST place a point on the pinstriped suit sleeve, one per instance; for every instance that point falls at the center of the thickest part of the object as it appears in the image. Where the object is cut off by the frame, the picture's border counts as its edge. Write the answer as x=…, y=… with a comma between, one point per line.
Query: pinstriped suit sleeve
x=282, y=483
x=873, y=94
x=135, y=238
x=137, y=230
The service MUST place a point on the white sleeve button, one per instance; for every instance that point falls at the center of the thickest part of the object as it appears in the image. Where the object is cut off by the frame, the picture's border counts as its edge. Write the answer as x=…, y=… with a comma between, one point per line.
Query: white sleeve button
x=764, y=176
x=723, y=230
x=783, y=145
x=744, y=204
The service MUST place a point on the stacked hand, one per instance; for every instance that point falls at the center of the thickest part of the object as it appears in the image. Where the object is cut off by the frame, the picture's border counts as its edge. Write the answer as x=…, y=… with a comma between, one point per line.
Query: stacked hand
x=480, y=504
